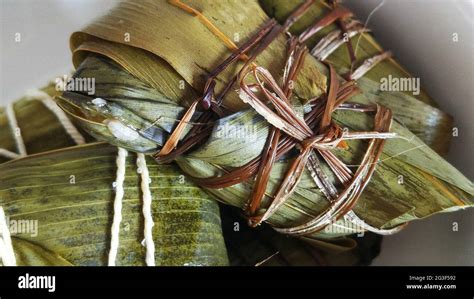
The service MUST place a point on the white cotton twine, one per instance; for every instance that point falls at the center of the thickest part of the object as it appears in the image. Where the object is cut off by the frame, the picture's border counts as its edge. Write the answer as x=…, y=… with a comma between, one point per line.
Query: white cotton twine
x=147, y=198
x=48, y=102
x=146, y=193
x=6, y=249
x=71, y=130
x=119, y=192
x=20, y=144
x=8, y=154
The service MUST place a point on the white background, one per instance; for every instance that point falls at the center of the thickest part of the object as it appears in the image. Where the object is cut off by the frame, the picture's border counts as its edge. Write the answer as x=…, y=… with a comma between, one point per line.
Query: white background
x=419, y=33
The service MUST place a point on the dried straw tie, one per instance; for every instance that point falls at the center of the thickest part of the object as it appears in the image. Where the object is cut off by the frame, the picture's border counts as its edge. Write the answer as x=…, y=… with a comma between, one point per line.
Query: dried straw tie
x=315, y=133
x=349, y=28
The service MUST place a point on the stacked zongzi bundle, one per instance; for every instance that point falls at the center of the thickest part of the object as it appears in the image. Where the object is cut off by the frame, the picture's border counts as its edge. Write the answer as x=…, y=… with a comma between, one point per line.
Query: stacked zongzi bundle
x=227, y=54
x=39, y=239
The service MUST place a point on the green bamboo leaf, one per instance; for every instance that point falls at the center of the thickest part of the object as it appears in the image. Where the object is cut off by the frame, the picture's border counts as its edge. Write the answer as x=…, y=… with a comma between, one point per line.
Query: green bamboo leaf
x=165, y=30
x=30, y=254
x=69, y=193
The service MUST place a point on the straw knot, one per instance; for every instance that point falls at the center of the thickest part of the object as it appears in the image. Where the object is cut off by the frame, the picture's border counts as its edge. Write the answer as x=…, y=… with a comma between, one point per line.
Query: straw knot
x=315, y=134
x=330, y=139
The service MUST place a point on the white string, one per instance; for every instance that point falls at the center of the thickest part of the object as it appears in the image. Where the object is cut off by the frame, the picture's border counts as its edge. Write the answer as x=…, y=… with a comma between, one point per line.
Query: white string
x=6, y=249
x=119, y=192
x=71, y=130
x=8, y=154
x=20, y=144
x=367, y=23
x=146, y=193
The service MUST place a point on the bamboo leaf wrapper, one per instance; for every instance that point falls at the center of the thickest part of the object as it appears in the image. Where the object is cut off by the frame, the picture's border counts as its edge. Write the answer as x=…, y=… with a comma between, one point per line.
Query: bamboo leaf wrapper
x=74, y=219
x=168, y=45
